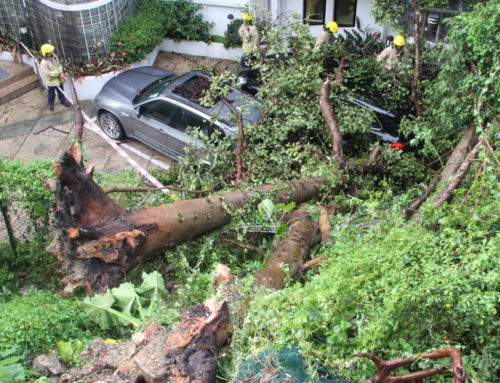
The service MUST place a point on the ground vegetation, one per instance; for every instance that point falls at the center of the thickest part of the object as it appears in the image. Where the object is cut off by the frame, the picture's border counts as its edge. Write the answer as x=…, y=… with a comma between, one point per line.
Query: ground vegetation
x=386, y=285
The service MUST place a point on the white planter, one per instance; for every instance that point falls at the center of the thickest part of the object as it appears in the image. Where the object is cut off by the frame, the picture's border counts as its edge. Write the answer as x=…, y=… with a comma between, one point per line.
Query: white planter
x=87, y=87
x=199, y=48
x=7, y=56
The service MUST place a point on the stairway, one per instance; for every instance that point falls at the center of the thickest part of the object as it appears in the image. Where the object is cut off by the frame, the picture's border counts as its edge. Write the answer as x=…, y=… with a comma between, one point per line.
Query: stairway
x=22, y=79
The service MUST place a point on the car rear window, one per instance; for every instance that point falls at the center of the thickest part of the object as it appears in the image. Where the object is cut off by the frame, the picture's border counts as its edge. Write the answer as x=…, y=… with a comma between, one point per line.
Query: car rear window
x=154, y=89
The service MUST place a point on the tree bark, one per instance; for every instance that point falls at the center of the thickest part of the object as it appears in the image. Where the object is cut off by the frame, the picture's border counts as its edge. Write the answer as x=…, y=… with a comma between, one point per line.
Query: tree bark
x=447, y=192
x=458, y=155
x=329, y=116
x=302, y=235
x=331, y=122
x=157, y=355
x=457, y=158
x=98, y=241
x=417, y=69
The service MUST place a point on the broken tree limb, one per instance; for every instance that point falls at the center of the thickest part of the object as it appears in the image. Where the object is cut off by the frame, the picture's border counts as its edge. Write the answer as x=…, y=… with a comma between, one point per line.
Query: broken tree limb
x=417, y=69
x=457, y=158
x=447, y=192
x=98, y=241
x=416, y=205
x=77, y=110
x=331, y=122
x=458, y=155
x=302, y=235
x=325, y=226
x=385, y=367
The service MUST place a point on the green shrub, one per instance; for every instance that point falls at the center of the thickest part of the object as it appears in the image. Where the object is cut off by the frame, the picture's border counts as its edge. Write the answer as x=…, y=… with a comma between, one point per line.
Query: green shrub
x=184, y=22
x=33, y=323
x=231, y=37
x=392, y=289
x=28, y=202
x=137, y=36
x=154, y=20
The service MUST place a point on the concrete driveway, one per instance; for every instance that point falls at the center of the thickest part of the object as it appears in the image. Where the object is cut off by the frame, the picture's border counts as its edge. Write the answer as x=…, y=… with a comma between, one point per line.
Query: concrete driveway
x=29, y=131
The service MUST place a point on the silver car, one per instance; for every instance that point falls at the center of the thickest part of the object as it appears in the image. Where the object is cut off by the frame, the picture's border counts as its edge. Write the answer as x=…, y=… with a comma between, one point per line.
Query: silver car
x=156, y=106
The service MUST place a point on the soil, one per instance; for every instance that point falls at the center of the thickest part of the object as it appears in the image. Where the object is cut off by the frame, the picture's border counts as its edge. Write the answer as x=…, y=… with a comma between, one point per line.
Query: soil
x=181, y=63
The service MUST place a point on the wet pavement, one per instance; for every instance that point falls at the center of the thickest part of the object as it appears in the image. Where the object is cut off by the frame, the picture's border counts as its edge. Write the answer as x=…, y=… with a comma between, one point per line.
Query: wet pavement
x=29, y=131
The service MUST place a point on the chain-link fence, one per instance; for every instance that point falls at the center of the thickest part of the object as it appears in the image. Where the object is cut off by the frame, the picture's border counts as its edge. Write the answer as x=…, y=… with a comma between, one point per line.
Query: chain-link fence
x=15, y=222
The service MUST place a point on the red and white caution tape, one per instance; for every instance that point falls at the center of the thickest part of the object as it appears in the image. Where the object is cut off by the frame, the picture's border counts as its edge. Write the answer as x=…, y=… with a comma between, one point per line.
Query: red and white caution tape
x=96, y=129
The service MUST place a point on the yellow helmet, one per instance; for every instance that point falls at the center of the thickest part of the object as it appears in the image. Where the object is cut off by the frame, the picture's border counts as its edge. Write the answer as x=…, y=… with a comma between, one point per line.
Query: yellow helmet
x=248, y=16
x=332, y=26
x=399, y=41
x=46, y=49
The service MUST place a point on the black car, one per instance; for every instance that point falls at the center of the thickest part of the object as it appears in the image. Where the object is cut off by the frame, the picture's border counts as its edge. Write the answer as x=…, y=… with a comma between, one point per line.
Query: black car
x=386, y=123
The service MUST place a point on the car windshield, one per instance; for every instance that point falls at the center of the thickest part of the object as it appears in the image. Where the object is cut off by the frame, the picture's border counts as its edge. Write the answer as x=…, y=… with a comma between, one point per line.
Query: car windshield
x=154, y=89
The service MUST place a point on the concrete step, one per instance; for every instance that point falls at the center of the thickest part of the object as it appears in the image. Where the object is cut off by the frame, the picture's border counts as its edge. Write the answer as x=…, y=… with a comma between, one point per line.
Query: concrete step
x=19, y=73
x=18, y=88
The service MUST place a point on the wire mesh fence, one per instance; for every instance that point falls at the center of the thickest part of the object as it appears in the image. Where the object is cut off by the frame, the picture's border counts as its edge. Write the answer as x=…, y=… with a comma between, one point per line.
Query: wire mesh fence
x=16, y=224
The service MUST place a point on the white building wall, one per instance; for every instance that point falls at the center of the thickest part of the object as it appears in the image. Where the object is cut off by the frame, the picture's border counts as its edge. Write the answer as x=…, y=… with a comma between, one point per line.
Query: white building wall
x=363, y=9
x=217, y=12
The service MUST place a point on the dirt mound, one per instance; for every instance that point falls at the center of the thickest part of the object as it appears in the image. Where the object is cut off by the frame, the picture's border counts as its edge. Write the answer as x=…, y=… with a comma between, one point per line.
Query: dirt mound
x=181, y=63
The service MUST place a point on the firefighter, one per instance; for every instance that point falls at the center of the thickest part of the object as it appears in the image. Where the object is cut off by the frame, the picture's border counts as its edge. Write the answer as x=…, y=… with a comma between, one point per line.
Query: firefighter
x=251, y=39
x=395, y=52
x=326, y=36
x=53, y=72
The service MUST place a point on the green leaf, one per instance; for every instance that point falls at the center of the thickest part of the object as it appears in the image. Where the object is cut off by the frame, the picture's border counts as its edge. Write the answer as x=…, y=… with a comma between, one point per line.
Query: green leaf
x=152, y=282
x=282, y=229
x=99, y=309
x=65, y=350
x=128, y=299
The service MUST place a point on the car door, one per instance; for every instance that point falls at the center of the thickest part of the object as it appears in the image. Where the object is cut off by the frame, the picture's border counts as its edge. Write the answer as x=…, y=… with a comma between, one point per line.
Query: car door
x=186, y=117
x=151, y=124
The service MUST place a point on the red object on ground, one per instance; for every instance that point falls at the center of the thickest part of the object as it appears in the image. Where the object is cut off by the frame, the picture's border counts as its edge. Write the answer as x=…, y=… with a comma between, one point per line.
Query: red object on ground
x=400, y=146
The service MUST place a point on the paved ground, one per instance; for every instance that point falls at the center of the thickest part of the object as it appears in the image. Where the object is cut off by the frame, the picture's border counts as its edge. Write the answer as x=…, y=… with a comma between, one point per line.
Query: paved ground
x=29, y=131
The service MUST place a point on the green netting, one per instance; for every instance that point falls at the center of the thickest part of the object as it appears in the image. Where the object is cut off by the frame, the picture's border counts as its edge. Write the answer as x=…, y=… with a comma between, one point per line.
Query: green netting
x=284, y=366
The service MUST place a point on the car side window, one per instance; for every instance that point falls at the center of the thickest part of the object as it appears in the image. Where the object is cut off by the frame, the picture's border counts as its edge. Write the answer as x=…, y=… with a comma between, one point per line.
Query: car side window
x=159, y=110
x=185, y=118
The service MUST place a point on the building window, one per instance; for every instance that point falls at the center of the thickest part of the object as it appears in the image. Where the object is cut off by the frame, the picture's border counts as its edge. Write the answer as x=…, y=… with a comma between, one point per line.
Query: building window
x=434, y=28
x=314, y=11
x=345, y=12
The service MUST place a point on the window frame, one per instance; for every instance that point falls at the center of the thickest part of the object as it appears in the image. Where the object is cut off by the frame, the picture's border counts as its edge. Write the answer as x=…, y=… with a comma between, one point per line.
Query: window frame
x=343, y=25
x=304, y=13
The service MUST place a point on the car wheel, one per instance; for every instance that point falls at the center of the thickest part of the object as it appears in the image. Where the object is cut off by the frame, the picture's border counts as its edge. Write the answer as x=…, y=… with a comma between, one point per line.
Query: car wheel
x=111, y=126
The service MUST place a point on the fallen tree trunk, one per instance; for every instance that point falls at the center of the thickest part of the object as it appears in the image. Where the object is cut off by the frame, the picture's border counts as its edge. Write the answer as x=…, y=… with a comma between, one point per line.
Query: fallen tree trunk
x=98, y=241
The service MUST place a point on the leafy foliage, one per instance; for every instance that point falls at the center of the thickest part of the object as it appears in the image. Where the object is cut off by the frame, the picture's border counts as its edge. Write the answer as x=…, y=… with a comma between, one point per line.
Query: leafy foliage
x=23, y=193
x=35, y=322
x=124, y=304
x=231, y=37
x=154, y=20
x=466, y=90
x=390, y=289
